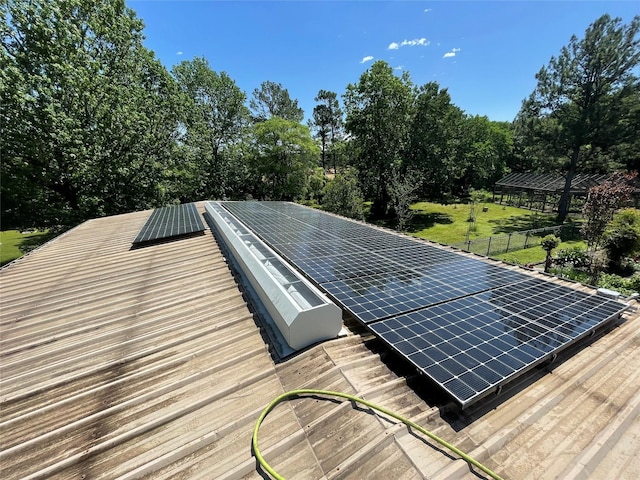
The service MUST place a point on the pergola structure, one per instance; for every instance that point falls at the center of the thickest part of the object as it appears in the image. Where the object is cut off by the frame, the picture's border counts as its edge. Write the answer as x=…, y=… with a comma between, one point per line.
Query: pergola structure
x=542, y=191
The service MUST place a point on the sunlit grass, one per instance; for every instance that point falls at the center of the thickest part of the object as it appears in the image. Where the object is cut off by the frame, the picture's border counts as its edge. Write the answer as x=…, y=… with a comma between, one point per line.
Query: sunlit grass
x=448, y=223
x=536, y=254
x=13, y=244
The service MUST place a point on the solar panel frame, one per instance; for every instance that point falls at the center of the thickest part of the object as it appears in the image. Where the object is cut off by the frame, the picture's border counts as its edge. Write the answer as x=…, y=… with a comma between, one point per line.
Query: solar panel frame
x=170, y=222
x=481, y=324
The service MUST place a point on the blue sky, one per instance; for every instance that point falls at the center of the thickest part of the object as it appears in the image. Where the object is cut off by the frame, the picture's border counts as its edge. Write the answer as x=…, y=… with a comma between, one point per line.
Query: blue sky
x=485, y=53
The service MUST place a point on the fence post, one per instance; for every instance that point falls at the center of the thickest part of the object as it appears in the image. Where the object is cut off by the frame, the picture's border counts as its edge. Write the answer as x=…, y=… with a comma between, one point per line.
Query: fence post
x=468, y=245
x=508, y=243
x=526, y=239
x=489, y=247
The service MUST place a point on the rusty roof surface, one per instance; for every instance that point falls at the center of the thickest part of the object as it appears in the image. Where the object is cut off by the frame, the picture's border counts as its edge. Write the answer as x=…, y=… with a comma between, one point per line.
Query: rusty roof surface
x=148, y=363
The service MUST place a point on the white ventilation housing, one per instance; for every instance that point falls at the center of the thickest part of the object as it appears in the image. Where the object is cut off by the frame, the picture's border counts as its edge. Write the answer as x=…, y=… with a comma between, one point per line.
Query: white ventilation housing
x=302, y=313
x=605, y=292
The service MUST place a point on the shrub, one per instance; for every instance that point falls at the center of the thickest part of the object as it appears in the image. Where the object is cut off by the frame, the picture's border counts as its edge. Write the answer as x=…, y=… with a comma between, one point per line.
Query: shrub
x=316, y=183
x=403, y=193
x=571, y=274
x=548, y=243
x=342, y=196
x=626, y=286
x=622, y=237
x=573, y=256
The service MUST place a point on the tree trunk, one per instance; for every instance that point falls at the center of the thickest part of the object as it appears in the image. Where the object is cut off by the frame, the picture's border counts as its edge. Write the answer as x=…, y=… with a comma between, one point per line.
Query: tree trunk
x=381, y=200
x=547, y=262
x=565, y=199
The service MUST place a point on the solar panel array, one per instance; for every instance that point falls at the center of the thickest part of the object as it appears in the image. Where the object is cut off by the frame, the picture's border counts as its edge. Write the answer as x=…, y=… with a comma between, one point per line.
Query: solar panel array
x=469, y=325
x=168, y=222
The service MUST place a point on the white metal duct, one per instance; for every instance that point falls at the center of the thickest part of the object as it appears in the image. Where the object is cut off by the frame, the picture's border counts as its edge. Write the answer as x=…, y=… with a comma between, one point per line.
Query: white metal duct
x=302, y=313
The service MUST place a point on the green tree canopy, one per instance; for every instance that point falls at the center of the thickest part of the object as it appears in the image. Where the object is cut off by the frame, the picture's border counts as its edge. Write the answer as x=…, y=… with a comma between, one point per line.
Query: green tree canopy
x=215, y=123
x=378, y=110
x=89, y=116
x=327, y=122
x=484, y=147
x=453, y=152
x=342, y=195
x=434, y=139
x=580, y=109
x=283, y=158
x=273, y=100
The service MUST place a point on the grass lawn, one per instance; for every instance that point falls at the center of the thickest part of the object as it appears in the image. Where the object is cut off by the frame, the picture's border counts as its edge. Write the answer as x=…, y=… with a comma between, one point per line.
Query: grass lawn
x=13, y=244
x=536, y=254
x=448, y=223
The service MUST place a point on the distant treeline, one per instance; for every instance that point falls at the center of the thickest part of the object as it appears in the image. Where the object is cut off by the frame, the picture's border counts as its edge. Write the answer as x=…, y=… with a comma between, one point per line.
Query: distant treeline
x=93, y=124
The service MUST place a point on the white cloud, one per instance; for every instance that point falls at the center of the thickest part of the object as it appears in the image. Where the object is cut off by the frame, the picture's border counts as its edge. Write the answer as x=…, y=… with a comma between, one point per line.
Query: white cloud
x=399, y=67
x=416, y=42
x=178, y=53
x=452, y=53
x=422, y=42
x=427, y=10
x=366, y=59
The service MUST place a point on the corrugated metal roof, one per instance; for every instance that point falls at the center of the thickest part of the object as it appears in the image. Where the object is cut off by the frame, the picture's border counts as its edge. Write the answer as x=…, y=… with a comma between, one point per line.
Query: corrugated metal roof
x=147, y=363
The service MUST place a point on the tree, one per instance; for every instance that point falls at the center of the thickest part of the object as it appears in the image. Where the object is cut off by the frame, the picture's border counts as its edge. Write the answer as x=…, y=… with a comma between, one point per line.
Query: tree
x=378, y=110
x=315, y=184
x=455, y=152
x=89, y=117
x=622, y=237
x=283, y=158
x=327, y=122
x=273, y=100
x=342, y=195
x=602, y=202
x=215, y=122
x=580, y=101
x=483, y=149
x=402, y=192
x=548, y=243
x=434, y=138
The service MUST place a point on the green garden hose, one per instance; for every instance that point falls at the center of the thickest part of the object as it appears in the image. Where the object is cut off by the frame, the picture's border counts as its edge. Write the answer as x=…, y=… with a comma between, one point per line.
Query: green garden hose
x=406, y=421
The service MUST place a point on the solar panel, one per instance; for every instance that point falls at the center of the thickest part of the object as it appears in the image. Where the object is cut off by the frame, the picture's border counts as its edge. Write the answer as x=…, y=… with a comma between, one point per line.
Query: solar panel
x=469, y=325
x=475, y=344
x=168, y=222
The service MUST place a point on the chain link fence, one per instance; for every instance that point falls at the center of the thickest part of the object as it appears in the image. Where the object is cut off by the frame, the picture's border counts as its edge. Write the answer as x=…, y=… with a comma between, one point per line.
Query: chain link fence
x=510, y=242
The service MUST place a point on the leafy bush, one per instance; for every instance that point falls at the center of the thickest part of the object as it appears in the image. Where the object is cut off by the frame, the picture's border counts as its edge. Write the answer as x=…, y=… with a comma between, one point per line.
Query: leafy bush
x=573, y=256
x=402, y=191
x=342, y=196
x=622, y=238
x=626, y=286
x=571, y=274
x=549, y=242
x=316, y=183
x=481, y=196
x=512, y=259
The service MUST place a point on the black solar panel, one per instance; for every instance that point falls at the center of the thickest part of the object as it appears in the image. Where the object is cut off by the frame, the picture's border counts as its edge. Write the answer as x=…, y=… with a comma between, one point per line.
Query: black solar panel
x=469, y=325
x=170, y=222
x=474, y=344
